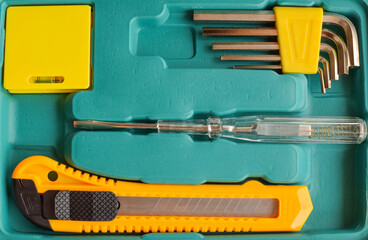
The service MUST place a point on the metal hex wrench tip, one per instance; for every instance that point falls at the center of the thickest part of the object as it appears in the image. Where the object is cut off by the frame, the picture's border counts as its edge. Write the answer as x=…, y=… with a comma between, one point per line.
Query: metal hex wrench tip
x=350, y=34
x=324, y=72
x=322, y=80
x=342, y=51
x=269, y=16
x=333, y=60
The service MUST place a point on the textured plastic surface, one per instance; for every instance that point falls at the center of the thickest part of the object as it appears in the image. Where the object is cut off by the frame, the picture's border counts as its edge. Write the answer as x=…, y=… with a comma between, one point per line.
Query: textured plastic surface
x=150, y=61
x=294, y=203
x=47, y=49
x=299, y=35
x=85, y=206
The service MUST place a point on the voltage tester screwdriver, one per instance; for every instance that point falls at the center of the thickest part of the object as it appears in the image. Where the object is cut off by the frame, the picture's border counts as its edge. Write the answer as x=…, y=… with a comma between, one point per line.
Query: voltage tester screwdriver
x=336, y=130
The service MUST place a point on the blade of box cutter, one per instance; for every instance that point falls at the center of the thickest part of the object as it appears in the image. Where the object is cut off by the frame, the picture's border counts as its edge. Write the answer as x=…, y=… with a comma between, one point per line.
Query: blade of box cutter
x=206, y=207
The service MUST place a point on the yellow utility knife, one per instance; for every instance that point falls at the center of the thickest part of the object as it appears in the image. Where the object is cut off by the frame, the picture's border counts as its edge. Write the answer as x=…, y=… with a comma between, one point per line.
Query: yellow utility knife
x=63, y=199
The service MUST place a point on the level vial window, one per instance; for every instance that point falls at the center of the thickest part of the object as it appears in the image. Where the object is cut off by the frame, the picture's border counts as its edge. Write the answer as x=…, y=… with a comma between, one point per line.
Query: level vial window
x=46, y=79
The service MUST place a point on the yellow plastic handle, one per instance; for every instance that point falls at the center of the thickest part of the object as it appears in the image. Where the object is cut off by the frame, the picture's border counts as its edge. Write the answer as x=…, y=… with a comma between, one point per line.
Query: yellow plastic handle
x=294, y=201
x=299, y=35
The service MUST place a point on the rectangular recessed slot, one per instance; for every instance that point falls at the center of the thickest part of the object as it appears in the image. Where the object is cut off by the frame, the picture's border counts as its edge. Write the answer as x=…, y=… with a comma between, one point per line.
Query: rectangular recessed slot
x=47, y=79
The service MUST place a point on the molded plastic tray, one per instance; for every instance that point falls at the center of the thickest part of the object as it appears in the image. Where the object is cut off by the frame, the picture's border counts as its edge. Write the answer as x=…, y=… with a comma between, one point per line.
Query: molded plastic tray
x=151, y=62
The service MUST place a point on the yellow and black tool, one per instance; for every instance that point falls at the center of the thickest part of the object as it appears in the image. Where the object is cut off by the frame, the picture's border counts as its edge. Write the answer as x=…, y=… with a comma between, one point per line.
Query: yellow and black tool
x=63, y=199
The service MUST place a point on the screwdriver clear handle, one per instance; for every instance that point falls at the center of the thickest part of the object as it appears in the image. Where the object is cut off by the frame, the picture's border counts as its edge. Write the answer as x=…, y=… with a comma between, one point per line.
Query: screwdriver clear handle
x=335, y=130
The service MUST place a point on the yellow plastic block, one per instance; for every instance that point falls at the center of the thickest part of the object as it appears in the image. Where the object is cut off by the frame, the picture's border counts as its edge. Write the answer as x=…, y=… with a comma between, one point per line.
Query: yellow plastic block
x=47, y=49
x=299, y=35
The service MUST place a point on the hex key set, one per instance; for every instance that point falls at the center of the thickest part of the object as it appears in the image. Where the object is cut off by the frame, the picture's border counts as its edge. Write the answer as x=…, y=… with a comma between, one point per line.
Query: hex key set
x=340, y=61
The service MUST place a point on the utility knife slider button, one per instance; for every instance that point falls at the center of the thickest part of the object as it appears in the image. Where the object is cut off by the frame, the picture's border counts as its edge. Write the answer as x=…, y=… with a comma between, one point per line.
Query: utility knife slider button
x=28, y=197
x=86, y=206
x=31, y=203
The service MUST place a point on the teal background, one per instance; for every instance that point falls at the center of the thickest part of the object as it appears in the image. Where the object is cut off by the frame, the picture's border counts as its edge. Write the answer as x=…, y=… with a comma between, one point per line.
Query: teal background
x=151, y=62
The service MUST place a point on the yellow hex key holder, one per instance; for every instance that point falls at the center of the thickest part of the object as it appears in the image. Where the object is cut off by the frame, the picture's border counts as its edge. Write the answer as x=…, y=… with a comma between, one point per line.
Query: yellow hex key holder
x=63, y=199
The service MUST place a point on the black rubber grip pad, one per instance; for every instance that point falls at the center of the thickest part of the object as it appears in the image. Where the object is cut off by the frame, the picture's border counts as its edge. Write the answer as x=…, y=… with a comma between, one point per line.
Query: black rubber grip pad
x=86, y=206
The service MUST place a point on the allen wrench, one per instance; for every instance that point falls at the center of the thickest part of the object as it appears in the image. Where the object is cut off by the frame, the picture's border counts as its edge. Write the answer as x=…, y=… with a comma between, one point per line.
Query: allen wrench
x=269, y=16
x=271, y=46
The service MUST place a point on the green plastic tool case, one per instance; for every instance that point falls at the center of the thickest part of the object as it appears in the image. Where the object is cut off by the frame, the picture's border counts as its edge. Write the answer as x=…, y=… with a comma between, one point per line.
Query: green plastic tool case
x=150, y=61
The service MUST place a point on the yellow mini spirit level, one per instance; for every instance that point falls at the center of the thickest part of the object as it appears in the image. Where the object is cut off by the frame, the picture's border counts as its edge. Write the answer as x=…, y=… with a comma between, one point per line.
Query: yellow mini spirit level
x=63, y=199
x=48, y=49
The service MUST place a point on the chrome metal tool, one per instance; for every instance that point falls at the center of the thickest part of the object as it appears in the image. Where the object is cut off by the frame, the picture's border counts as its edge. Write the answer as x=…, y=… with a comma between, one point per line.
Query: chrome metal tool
x=268, y=16
x=271, y=46
x=338, y=62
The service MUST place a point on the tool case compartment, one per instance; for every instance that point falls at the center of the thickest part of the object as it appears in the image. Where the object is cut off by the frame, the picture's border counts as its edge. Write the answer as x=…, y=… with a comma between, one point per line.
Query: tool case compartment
x=150, y=61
